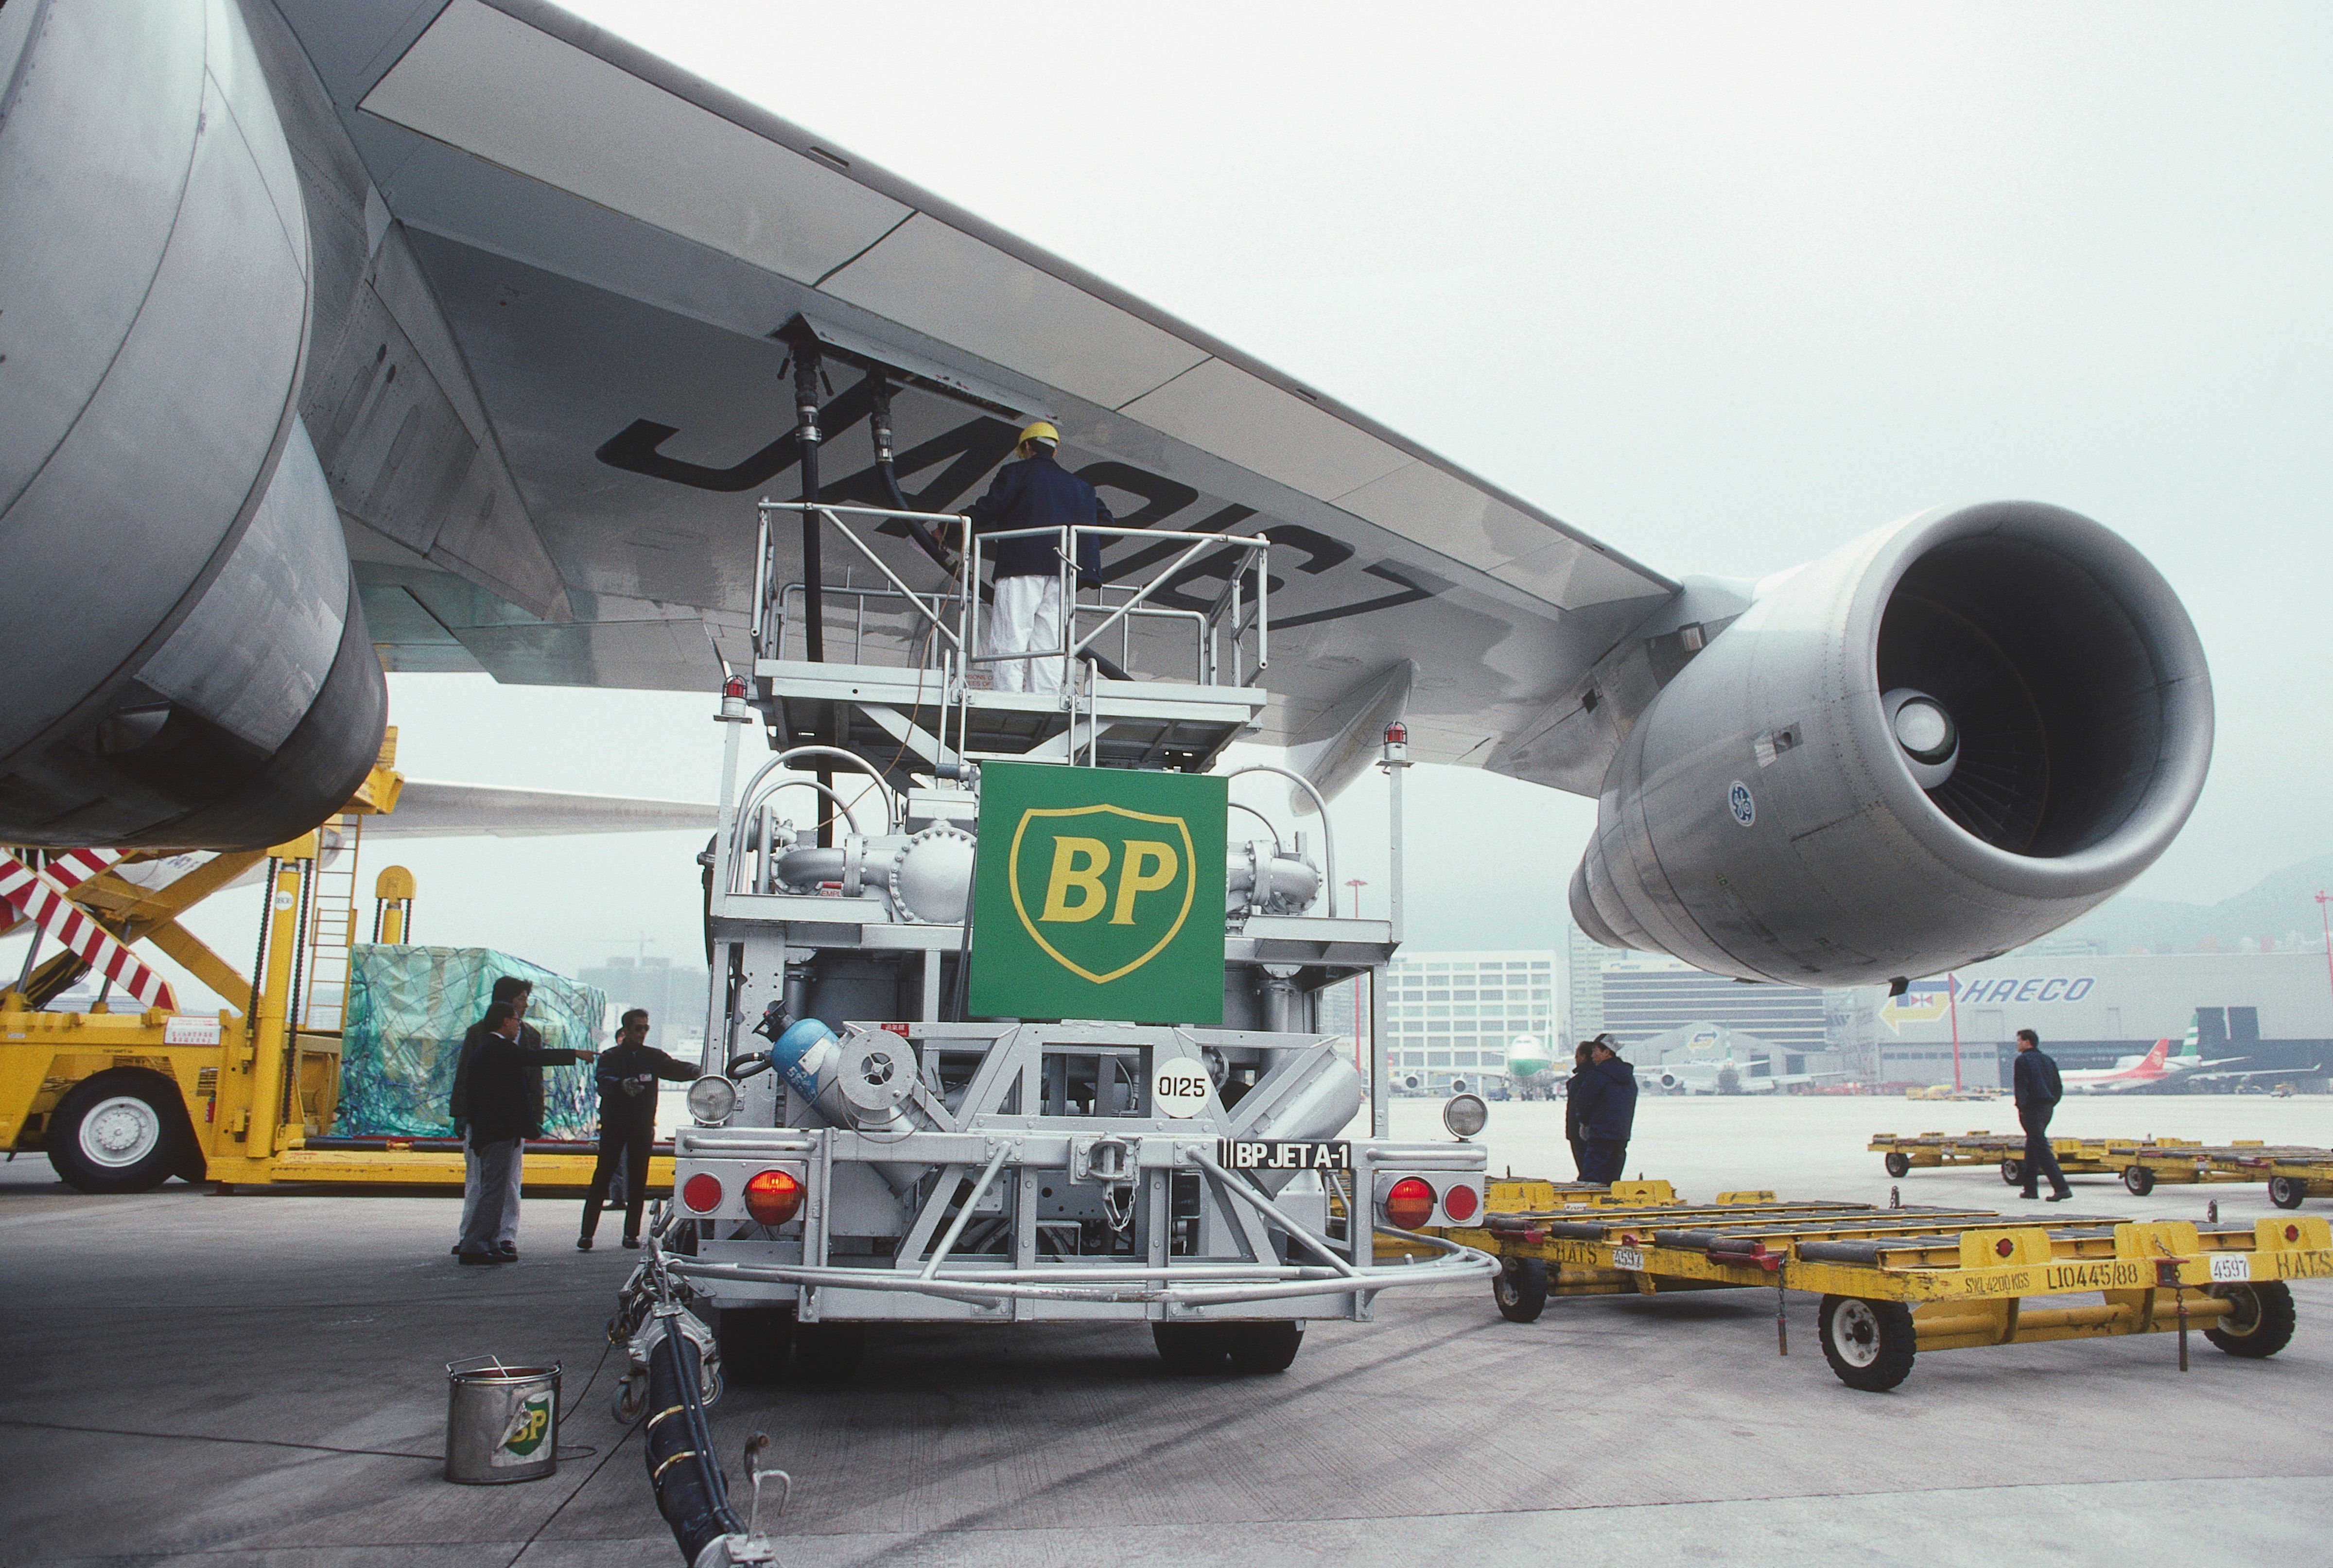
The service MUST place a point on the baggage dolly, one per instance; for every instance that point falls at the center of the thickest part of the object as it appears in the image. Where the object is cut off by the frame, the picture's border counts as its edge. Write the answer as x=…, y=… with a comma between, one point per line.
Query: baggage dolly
x=1902, y=1154
x=2293, y=1173
x=1893, y=1282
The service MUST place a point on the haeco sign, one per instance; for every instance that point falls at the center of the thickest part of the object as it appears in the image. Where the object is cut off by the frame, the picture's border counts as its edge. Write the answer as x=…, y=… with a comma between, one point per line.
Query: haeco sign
x=1928, y=1001
x=1098, y=893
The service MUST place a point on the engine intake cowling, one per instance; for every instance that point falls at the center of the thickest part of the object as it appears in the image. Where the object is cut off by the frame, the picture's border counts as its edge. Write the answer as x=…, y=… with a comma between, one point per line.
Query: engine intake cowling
x=1943, y=740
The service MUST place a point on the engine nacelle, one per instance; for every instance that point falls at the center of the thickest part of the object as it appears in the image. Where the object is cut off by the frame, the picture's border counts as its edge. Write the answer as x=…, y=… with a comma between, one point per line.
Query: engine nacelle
x=1944, y=739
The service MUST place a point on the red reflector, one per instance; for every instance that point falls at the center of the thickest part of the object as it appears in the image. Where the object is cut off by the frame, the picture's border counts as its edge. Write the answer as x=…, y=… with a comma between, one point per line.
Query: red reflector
x=1409, y=1203
x=772, y=1196
x=1458, y=1203
x=701, y=1193
x=2292, y=1233
x=2004, y=1246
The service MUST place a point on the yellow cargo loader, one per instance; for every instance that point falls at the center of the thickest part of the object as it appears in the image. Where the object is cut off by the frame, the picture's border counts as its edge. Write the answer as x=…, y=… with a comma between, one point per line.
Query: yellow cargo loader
x=121, y=1102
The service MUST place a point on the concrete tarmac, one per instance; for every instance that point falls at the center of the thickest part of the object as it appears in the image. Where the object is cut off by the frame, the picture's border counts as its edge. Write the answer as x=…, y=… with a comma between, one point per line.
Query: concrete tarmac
x=258, y=1379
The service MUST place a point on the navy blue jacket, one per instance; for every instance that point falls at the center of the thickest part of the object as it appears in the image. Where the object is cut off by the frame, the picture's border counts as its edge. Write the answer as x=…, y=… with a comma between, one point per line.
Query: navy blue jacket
x=1039, y=492
x=621, y=1063
x=2038, y=1087
x=1605, y=1101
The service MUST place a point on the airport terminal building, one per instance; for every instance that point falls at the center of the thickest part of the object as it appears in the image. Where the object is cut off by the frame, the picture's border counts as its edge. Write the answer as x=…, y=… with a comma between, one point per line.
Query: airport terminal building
x=2271, y=1011
x=1449, y=1018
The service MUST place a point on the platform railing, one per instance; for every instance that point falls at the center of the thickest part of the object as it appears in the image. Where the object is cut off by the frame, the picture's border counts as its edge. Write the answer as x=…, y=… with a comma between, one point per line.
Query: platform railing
x=1219, y=631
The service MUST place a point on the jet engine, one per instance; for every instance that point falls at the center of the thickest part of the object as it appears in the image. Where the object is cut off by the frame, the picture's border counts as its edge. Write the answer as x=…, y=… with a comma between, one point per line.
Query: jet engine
x=187, y=662
x=1944, y=739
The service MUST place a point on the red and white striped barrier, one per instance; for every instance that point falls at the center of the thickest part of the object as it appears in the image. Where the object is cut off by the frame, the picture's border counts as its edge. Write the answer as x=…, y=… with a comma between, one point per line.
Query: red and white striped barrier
x=68, y=870
x=43, y=899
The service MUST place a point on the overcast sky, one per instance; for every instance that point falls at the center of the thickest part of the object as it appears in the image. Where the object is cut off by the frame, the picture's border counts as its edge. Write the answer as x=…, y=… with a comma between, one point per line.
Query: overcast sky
x=1722, y=285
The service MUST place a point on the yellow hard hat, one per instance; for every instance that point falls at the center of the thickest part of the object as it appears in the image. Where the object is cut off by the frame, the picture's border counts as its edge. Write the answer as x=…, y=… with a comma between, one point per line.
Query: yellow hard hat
x=1041, y=430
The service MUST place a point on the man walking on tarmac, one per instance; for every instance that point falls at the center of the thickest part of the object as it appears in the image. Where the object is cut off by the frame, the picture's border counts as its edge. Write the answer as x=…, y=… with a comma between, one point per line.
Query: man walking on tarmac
x=1605, y=1096
x=2038, y=1090
x=1033, y=491
x=503, y=1074
x=628, y=1102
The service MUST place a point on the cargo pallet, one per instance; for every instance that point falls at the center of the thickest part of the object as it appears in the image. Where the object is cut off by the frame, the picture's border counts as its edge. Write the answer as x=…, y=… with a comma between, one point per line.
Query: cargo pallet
x=1903, y=1153
x=2294, y=1174
x=1894, y=1282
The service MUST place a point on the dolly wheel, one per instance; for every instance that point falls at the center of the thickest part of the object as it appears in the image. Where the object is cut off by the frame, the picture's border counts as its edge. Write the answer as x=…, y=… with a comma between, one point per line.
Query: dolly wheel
x=1897, y=1162
x=754, y=1341
x=2261, y=1324
x=118, y=1132
x=828, y=1352
x=2287, y=1191
x=1868, y=1344
x=2013, y=1171
x=1189, y=1348
x=1264, y=1347
x=1521, y=1289
x=2139, y=1179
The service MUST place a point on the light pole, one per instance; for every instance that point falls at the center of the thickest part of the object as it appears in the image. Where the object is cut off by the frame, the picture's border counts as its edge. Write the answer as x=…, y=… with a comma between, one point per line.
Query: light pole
x=2325, y=914
x=1357, y=884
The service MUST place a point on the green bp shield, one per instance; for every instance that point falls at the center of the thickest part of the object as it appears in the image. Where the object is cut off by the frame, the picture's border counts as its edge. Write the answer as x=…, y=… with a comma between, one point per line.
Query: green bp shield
x=1099, y=895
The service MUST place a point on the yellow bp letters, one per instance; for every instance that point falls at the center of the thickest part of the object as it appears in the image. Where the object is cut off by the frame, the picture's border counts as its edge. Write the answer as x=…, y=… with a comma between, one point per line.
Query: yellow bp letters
x=1133, y=880
x=1085, y=879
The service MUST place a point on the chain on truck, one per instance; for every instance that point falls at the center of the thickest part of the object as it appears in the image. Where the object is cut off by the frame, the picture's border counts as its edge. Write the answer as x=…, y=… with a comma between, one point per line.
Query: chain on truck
x=1009, y=1024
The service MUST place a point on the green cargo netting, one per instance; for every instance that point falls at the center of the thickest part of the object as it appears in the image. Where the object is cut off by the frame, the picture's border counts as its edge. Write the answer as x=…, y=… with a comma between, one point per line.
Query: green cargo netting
x=409, y=1007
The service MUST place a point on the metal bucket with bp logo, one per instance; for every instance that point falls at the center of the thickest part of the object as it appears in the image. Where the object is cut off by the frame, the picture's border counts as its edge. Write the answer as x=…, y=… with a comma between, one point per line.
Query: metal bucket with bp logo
x=502, y=1422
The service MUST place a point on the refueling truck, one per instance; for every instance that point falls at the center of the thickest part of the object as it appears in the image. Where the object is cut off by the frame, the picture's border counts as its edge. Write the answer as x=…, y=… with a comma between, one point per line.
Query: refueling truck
x=1009, y=1025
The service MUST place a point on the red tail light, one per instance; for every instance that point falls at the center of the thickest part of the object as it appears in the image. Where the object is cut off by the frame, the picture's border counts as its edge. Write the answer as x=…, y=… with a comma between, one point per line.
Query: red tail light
x=773, y=1197
x=701, y=1193
x=1409, y=1203
x=1458, y=1203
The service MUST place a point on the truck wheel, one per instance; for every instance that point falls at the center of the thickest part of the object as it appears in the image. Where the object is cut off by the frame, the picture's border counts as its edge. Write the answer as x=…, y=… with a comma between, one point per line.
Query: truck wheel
x=2261, y=1324
x=2139, y=1180
x=1265, y=1347
x=1521, y=1289
x=2287, y=1191
x=1190, y=1348
x=1868, y=1344
x=754, y=1343
x=118, y=1132
x=2013, y=1171
x=1899, y=1163
x=828, y=1353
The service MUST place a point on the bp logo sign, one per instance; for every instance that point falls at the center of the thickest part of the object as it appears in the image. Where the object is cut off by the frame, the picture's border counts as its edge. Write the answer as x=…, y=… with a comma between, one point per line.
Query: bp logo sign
x=530, y=1425
x=1099, y=895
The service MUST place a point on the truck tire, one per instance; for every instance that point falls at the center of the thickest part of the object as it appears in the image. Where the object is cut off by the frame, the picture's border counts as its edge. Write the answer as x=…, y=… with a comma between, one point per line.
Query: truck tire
x=2288, y=1191
x=1521, y=1289
x=2013, y=1171
x=1188, y=1349
x=1264, y=1347
x=755, y=1343
x=1899, y=1163
x=828, y=1353
x=2139, y=1180
x=119, y=1131
x=1869, y=1345
x=2261, y=1324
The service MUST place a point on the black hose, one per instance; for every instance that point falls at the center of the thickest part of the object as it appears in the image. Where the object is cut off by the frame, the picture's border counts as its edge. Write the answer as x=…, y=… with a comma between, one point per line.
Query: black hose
x=808, y=360
x=880, y=422
x=690, y=1492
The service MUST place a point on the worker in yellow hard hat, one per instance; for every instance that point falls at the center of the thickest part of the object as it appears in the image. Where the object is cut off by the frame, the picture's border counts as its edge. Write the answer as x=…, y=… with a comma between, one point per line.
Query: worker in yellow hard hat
x=1025, y=622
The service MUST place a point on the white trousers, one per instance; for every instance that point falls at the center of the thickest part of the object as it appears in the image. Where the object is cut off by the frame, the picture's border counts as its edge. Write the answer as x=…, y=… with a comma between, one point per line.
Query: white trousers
x=1026, y=617
x=507, y=1234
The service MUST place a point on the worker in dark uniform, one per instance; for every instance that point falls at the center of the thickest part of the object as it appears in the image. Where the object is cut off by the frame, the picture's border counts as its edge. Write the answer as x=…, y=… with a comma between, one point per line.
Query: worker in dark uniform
x=1033, y=491
x=502, y=1108
x=517, y=993
x=628, y=1103
x=2039, y=1089
x=1572, y=1102
x=1606, y=1097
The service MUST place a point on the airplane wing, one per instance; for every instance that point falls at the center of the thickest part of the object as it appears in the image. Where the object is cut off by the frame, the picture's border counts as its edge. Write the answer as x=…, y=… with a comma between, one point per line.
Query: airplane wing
x=547, y=395
x=439, y=811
